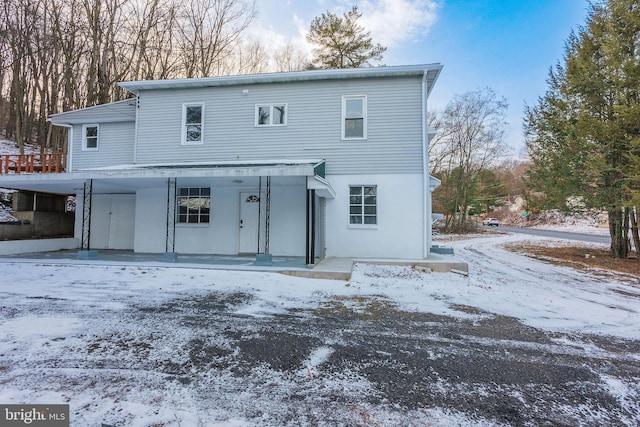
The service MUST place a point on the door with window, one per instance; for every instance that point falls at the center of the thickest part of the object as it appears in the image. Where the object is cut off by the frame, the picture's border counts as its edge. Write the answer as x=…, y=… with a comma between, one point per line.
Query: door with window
x=249, y=217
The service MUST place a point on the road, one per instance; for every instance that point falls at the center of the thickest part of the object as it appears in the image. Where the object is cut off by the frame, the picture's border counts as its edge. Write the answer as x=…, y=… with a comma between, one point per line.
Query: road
x=583, y=237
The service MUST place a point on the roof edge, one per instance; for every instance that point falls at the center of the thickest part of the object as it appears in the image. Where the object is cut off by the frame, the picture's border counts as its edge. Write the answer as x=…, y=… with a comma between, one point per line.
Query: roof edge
x=293, y=76
x=55, y=118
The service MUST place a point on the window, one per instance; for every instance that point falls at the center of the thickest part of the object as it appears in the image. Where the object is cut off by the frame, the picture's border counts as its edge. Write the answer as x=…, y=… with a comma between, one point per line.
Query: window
x=362, y=205
x=194, y=205
x=192, y=123
x=89, y=137
x=354, y=117
x=271, y=115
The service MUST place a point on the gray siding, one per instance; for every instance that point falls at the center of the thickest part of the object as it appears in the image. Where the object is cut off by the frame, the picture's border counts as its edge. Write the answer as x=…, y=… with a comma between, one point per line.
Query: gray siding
x=313, y=131
x=121, y=111
x=115, y=146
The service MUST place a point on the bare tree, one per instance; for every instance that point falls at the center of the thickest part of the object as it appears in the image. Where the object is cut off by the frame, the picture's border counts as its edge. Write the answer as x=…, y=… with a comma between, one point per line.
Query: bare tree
x=57, y=55
x=209, y=32
x=151, y=27
x=290, y=58
x=247, y=58
x=470, y=138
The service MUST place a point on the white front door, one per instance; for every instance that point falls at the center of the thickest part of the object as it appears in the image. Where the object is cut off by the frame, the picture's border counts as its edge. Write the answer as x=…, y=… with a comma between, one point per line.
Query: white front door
x=249, y=211
x=121, y=229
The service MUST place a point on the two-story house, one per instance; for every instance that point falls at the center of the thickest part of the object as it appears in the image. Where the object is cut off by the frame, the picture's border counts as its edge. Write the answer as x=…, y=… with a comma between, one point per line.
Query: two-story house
x=322, y=163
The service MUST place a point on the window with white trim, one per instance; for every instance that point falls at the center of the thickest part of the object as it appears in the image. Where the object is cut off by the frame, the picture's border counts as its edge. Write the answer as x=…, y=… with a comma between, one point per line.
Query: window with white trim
x=90, y=137
x=271, y=114
x=354, y=117
x=194, y=205
x=363, y=205
x=192, y=123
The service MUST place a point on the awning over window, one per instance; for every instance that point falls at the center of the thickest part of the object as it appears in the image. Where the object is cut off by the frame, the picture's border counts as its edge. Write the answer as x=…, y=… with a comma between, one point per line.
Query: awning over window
x=322, y=187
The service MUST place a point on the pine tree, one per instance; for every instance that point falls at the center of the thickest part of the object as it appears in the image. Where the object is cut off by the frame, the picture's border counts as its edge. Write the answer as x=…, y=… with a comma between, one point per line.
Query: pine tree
x=582, y=135
x=341, y=42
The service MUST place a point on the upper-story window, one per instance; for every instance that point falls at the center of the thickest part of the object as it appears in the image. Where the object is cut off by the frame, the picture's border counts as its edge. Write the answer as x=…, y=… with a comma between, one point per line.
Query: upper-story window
x=271, y=115
x=89, y=137
x=192, y=123
x=354, y=117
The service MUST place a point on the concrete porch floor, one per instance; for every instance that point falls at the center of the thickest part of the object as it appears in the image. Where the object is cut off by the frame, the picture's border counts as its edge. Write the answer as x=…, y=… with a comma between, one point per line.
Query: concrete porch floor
x=328, y=268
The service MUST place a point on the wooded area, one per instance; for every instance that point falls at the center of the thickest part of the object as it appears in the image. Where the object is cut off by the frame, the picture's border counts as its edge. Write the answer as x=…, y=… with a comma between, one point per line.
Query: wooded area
x=59, y=55
x=467, y=154
x=583, y=135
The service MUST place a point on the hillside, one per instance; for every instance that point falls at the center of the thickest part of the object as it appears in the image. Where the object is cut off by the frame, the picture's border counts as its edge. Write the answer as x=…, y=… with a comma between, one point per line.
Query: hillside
x=10, y=147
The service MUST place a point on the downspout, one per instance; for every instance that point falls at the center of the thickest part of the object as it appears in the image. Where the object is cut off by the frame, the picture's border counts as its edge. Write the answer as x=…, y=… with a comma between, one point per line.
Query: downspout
x=135, y=136
x=426, y=222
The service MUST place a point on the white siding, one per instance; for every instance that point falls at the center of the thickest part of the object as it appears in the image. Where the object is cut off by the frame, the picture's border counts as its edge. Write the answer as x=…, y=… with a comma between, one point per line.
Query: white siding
x=313, y=125
x=221, y=235
x=399, y=231
x=150, y=220
x=112, y=221
x=287, y=233
x=115, y=146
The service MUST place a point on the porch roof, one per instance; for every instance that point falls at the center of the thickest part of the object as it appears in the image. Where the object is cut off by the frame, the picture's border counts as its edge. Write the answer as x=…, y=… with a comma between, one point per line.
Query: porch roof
x=129, y=178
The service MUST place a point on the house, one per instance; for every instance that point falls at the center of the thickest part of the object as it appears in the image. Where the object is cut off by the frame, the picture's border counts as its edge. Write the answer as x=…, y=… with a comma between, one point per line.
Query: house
x=321, y=163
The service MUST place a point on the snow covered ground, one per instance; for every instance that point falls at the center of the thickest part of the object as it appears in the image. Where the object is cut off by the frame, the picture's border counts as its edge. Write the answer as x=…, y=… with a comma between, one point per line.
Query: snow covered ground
x=136, y=346
x=5, y=211
x=575, y=227
x=547, y=296
x=10, y=147
x=589, y=223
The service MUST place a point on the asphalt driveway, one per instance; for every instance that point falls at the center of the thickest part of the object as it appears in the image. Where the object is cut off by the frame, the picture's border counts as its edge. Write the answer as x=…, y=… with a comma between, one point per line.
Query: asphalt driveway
x=518, y=343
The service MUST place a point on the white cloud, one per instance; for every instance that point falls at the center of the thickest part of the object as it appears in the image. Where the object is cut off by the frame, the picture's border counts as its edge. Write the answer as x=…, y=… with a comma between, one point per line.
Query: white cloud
x=391, y=22
x=394, y=21
x=303, y=29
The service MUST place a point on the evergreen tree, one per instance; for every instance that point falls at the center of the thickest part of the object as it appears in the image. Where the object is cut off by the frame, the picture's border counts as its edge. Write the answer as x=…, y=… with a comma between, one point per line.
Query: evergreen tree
x=488, y=190
x=341, y=42
x=582, y=135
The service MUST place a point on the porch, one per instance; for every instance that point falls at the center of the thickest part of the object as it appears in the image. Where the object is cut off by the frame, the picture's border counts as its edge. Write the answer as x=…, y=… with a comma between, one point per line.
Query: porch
x=260, y=207
x=291, y=265
x=327, y=268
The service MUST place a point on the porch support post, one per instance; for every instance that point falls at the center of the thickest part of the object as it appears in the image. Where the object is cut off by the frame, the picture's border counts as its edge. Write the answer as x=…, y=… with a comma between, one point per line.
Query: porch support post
x=85, y=246
x=311, y=228
x=170, y=254
x=263, y=257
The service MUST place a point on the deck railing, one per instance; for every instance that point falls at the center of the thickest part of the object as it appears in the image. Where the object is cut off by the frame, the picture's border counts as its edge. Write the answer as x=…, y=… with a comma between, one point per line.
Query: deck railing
x=31, y=163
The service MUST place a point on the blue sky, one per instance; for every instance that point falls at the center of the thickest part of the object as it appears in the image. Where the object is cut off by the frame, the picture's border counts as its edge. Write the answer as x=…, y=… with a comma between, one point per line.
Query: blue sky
x=507, y=45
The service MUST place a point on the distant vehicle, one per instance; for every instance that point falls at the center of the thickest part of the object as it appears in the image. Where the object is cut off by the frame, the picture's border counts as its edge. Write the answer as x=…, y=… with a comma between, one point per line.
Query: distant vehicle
x=491, y=222
x=435, y=217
